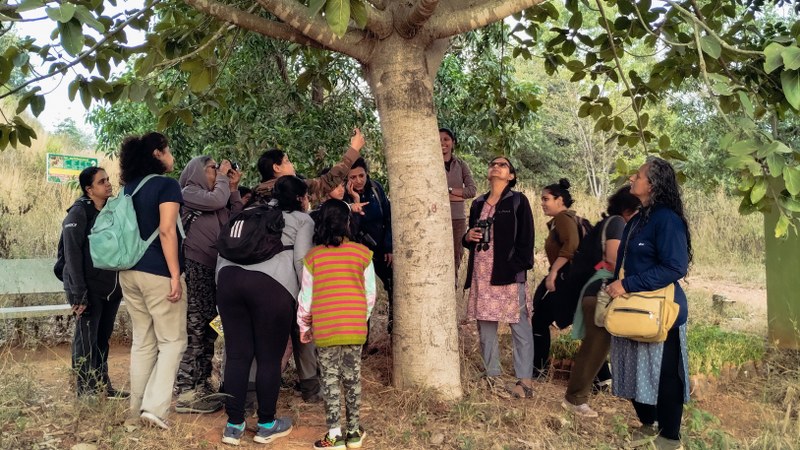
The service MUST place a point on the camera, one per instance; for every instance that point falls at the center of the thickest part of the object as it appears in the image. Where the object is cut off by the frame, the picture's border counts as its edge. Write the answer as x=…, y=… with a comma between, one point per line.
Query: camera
x=485, y=225
x=366, y=239
x=234, y=165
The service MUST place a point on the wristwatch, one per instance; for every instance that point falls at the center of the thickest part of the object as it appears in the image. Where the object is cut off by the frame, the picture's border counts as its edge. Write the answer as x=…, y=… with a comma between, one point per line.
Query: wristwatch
x=450, y=190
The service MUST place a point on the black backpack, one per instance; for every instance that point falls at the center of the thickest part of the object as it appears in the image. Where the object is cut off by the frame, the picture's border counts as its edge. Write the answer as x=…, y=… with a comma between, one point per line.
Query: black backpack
x=253, y=235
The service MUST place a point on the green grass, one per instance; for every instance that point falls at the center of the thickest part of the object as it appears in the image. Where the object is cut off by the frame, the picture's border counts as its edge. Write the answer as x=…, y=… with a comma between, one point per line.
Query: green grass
x=711, y=347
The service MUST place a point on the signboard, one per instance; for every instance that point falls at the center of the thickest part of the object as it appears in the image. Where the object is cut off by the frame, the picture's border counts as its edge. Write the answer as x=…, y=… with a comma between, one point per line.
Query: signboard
x=64, y=168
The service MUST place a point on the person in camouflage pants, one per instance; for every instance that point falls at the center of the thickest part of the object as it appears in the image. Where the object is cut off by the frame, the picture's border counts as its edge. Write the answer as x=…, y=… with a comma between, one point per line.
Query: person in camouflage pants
x=195, y=367
x=340, y=362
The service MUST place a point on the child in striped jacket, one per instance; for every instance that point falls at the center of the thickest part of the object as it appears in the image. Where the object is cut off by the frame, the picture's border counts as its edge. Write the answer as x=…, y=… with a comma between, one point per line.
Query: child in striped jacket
x=335, y=301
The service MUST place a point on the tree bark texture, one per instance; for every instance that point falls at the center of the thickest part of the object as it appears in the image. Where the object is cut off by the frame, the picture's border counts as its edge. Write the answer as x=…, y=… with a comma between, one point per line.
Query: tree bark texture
x=425, y=336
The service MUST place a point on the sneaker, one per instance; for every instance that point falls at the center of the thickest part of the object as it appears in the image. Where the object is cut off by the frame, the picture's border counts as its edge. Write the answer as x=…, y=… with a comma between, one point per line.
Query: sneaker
x=601, y=386
x=355, y=439
x=153, y=420
x=115, y=394
x=330, y=442
x=582, y=410
x=662, y=443
x=282, y=427
x=199, y=406
x=642, y=436
x=232, y=434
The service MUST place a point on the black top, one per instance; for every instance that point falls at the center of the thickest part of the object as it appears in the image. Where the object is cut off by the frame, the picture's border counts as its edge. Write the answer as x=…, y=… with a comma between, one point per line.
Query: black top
x=156, y=191
x=512, y=232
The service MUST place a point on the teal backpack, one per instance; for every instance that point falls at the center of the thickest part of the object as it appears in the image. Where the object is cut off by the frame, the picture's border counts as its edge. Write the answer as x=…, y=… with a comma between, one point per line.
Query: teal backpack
x=115, y=242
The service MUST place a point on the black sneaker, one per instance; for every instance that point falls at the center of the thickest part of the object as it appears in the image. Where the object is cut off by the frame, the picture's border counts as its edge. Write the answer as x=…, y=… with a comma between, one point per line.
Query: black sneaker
x=116, y=394
x=199, y=406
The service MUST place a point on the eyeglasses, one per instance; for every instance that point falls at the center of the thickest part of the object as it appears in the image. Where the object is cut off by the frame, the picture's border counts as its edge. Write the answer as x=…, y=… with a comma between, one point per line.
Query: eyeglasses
x=500, y=164
x=213, y=166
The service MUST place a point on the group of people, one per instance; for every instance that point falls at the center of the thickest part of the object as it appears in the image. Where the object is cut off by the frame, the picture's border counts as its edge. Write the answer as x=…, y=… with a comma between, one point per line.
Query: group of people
x=643, y=234
x=317, y=294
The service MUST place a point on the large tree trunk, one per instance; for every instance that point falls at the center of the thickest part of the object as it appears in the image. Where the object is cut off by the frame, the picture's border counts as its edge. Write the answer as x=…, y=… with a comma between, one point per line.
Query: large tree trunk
x=425, y=336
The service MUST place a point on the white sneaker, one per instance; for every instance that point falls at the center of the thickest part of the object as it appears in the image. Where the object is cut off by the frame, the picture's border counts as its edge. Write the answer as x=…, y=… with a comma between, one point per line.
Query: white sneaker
x=153, y=420
x=582, y=410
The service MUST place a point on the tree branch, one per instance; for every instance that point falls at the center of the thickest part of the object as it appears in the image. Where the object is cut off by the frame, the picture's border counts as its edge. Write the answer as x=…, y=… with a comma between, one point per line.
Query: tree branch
x=461, y=21
x=711, y=32
x=379, y=22
x=297, y=16
x=252, y=22
x=84, y=54
x=416, y=17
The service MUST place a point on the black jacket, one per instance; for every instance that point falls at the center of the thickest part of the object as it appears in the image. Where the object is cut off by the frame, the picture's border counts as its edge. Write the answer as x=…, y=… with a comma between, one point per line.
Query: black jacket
x=80, y=276
x=512, y=234
x=377, y=218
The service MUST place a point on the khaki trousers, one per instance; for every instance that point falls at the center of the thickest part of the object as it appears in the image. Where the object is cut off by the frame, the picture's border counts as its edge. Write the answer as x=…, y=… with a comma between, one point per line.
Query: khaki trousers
x=159, y=339
x=591, y=355
x=459, y=230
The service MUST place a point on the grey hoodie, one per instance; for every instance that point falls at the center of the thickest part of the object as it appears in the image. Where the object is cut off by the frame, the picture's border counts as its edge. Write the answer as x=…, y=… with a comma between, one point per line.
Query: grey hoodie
x=212, y=205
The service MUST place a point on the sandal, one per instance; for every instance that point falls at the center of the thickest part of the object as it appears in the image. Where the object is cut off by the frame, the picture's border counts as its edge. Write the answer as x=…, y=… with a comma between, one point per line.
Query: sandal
x=515, y=393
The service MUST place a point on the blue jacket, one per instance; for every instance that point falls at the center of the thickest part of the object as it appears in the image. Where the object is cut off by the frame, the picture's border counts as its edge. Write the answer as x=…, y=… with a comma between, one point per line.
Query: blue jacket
x=657, y=254
x=377, y=218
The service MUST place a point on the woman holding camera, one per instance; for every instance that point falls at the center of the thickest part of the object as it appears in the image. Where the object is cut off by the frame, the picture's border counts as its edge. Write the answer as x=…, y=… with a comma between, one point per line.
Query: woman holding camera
x=500, y=244
x=210, y=194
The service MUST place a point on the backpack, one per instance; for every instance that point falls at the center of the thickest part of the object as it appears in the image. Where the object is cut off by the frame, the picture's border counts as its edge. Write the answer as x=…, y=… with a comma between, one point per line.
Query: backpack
x=115, y=242
x=58, y=267
x=581, y=269
x=584, y=226
x=253, y=235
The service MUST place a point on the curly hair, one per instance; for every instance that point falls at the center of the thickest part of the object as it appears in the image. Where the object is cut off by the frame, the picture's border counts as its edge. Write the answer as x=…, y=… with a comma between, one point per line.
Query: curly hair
x=333, y=224
x=665, y=190
x=136, y=157
x=561, y=189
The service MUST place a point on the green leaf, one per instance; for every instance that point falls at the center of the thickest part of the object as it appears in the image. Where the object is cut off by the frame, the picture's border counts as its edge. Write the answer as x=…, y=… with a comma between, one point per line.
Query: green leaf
x=745, y=207
x=791, y=177
x=315, y=7
x=775, y=163
x=782, y=227
x=200, y=81
x=84, y=15
x=790, y=203
x=28, y=5
x=37, y=104
x=663, y=142
x=72, y=89
x=759, y=191
x=72, y=38
x=86, y=95
x=747, y=105
x=742, y=148
x=791, y=58
x=358, y=11
x=722, y=89
x=790, y=81
x=62, y=14
x=337, y=13
x=773, y=58
x=710, y=46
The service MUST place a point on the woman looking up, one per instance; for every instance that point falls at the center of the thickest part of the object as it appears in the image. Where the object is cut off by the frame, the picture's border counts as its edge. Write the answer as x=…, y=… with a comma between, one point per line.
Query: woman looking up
x=656, y=252
x=500, y=243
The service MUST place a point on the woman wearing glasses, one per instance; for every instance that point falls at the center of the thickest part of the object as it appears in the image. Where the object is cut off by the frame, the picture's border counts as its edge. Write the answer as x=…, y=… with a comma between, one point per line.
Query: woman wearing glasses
x=500, y=244
x=210, y=194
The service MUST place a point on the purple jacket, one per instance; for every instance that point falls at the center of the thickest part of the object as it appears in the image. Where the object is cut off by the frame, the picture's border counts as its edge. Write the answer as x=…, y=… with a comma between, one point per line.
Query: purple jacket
x=211, y=208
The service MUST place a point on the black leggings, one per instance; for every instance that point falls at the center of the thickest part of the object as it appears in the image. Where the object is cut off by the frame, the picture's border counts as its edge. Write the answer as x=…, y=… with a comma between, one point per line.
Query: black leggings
x=544, y=314
x=257, y=314
x=669, y=410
